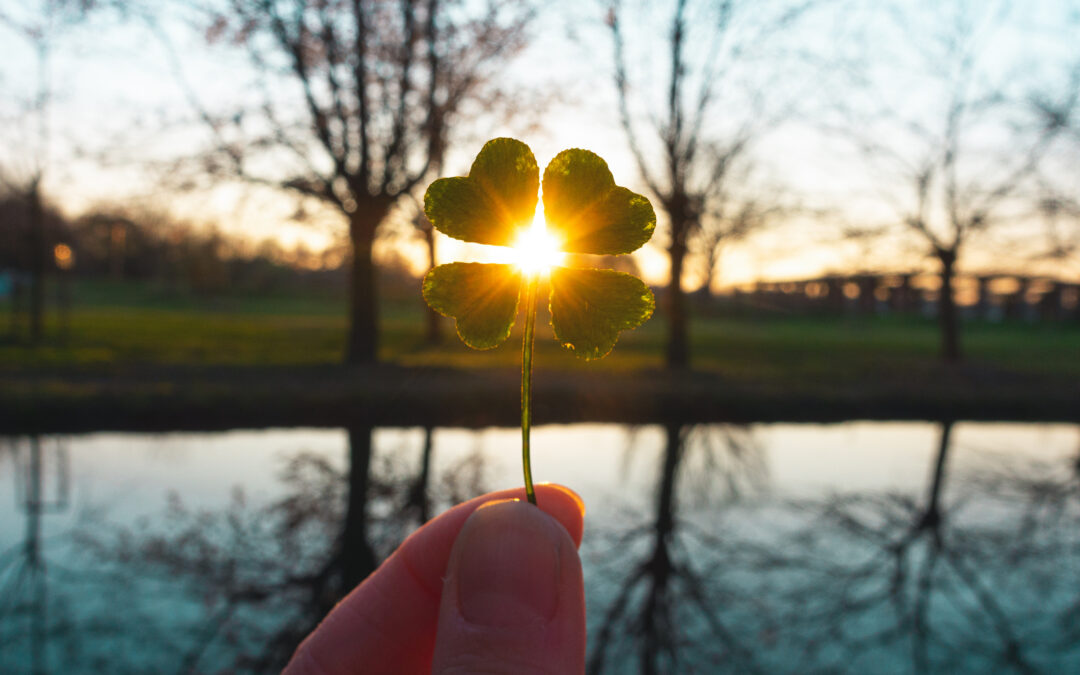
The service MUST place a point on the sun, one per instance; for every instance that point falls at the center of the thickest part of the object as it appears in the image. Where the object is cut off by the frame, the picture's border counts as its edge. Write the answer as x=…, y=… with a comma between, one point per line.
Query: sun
x=536, y=249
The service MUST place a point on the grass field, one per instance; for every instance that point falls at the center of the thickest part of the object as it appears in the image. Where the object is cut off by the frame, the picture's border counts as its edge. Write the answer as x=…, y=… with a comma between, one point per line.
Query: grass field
x=111, y=325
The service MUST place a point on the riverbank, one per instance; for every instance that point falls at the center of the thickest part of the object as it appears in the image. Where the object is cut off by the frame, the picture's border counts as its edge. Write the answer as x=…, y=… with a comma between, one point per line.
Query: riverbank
x=130, y=358
x=163, y=398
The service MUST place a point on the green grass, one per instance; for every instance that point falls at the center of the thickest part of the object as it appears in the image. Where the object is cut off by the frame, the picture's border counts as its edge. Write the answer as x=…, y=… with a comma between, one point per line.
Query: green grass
x=115, y=325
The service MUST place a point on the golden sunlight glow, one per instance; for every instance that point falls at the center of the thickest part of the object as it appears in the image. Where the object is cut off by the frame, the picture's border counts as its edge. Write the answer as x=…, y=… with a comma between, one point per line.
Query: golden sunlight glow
x=536, y=249
x=64, y=257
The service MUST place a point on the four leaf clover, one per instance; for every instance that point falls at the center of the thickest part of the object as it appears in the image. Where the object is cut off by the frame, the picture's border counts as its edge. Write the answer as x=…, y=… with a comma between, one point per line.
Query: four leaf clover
x=584, y=209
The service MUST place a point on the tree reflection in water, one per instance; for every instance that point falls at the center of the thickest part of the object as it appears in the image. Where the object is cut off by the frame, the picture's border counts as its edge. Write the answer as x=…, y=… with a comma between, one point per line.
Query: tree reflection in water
x=42, y=487
x=663, y=608
x=266, y=576
x=940, y=580
x=969, y=577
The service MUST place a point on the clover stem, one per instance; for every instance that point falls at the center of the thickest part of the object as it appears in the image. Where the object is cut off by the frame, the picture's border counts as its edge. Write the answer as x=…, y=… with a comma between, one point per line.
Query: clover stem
x=526, y=383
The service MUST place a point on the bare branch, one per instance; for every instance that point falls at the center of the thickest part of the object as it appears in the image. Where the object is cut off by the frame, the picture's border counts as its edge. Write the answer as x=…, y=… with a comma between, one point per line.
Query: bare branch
x=623, y=86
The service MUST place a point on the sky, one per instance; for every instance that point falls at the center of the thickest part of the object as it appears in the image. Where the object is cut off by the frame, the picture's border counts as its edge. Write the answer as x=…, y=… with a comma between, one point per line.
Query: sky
x=119, y=106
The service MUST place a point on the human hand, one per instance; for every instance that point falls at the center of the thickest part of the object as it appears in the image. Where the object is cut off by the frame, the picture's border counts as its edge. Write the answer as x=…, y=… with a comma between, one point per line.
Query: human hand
x=492, y=585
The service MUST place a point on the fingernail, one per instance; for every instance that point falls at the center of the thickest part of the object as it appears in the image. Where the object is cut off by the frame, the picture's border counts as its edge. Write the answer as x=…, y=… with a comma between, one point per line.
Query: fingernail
x=569, y=493
x=508, y=565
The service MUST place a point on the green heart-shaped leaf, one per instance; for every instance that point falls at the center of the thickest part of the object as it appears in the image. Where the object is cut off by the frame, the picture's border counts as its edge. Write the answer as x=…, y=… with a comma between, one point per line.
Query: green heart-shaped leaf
x=483, y=298
x=588, y=212
x=590, y=307
x=496, y=199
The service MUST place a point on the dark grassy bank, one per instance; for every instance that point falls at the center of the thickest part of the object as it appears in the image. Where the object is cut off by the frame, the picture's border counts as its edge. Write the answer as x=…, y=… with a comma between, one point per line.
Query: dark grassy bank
x=166, y=398
x=134, y=357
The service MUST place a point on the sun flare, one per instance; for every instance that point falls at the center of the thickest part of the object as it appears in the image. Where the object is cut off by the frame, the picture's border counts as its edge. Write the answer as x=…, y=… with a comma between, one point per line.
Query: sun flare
x=536, y=249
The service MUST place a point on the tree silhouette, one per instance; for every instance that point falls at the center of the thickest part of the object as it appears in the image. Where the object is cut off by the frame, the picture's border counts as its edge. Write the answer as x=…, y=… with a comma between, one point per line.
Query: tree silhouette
x=369, y=98
x=693, y=150
x=965, y=158
x=30, y=140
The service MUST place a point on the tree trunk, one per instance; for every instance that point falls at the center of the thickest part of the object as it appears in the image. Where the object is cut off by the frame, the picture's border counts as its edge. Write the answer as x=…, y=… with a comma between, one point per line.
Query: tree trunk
x=665, y=496
x=434, y=320
x=712, y=269
x=947, y=315
x=418, y=496
x=357, y=556
x=37, y=265
x=931, y=517
x=363, y=338
x=678, y=350
x=35, y=563
x=661, y=566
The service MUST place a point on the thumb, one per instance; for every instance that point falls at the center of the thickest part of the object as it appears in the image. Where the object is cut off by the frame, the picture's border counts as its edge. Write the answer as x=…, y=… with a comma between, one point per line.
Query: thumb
x=513, y=600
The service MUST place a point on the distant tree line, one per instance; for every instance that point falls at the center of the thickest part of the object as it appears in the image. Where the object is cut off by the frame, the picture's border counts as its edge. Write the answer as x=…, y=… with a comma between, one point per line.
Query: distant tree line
x=146, y=246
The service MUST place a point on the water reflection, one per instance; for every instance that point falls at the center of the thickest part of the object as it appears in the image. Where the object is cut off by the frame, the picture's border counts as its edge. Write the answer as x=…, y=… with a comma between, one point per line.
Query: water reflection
x=662, y=602
x=901, y=556
x=701, y=554
x=232, y=588
x=943, y=583
x=975, y=575
x=24, y=589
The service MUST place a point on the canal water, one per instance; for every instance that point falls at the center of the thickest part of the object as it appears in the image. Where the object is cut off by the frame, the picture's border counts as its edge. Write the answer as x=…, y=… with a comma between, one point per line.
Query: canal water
x=857, y=547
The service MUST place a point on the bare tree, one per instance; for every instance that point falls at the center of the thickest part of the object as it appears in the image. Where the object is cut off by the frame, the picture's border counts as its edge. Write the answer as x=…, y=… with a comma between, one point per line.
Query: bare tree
x=740, y=221
x=955, y=144
x=28, y=135
x=1059, y=201
x=424, y=230
x=692, y=149
x=377, y=89
x=1061, y=217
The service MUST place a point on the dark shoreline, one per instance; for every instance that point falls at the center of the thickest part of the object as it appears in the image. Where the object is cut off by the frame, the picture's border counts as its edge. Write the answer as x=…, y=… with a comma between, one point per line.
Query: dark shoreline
x=203, y=399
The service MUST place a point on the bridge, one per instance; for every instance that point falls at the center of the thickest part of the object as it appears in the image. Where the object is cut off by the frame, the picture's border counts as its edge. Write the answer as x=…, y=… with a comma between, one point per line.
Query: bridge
x=992, y=297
